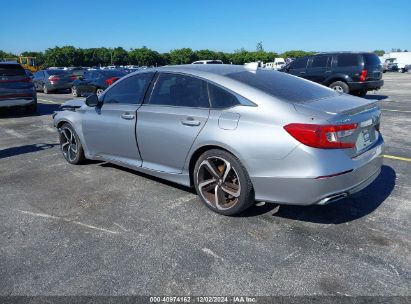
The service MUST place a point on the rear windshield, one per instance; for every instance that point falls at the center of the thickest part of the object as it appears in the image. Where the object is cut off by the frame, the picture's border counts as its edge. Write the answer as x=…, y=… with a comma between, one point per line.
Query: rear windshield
x=283, y=86
x=113, y=73
x=11, y=70
x=57, y=72
x=371, y=59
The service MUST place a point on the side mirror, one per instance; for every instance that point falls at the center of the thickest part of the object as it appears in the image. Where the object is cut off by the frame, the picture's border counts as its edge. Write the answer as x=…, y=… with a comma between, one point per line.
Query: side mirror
x=92, y=100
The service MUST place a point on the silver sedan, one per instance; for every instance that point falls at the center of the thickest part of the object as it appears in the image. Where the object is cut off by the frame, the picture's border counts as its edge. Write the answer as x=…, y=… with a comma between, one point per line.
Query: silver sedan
x=238, y=135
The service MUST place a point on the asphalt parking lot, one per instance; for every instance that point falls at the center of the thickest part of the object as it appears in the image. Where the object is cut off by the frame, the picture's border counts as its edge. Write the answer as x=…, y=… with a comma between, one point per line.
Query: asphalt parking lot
x=98, y=229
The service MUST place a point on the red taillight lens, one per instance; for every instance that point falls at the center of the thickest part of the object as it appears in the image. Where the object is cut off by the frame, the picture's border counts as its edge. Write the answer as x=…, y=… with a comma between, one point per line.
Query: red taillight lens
x=73, y=77
x=363, y=75
x=322, y=136
x=28, y=79
x=111, y=80
x=54, y=78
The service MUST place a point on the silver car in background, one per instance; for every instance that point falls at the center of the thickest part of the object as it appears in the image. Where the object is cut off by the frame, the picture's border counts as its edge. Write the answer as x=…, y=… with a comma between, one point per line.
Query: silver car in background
x=238, y=135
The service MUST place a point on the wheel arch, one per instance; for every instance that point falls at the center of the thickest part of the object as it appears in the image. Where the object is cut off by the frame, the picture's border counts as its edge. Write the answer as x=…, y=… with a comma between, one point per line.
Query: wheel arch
x=337, y=77
x=198, y=152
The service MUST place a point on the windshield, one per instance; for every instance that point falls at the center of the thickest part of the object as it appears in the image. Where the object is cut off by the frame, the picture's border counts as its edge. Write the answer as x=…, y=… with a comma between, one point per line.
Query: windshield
x=57, y=72
x=282, y=86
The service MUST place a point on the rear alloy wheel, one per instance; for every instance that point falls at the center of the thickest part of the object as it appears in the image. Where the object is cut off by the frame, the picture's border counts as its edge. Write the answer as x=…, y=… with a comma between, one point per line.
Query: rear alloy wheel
x=45, y=89
x=223, y=183
x=70, y=145
x=75, y=92
x=401, y=71
x=99, y=91
x=340, y=87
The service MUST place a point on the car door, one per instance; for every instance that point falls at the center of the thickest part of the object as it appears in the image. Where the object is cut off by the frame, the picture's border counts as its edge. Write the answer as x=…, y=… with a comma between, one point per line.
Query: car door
x=84, y=86
x=318, y=68
x=38, y=80
x=298, y=67
x=109, y=129
x=170, y=119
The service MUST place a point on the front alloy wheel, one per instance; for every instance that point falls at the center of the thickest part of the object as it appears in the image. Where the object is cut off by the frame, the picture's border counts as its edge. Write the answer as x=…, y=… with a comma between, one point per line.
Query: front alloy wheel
x=70, y=145
x=223, y=183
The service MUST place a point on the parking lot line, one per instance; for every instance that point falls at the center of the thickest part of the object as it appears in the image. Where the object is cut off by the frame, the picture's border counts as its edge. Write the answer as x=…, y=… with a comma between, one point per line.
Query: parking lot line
x=392, y=110
x=397, y=158
x=46, y=100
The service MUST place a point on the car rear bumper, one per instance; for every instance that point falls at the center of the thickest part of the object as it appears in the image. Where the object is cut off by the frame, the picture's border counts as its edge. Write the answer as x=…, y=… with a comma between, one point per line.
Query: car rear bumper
x=17, y=102
x=366, y=85
x=59, y=86
x=362, y=171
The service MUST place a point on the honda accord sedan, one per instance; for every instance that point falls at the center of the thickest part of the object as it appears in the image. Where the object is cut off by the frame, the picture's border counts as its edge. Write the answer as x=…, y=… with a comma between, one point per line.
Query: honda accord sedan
x=237, y=135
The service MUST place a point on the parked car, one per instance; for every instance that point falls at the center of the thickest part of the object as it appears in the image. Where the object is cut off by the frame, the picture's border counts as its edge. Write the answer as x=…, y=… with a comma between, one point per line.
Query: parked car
x=354, y=73
x=236, y=135
x=16, y=87
x=52, y=80
x=207, y=62
x=277, y=64
x=400, y=60
x=95, y=81
x=76, y=71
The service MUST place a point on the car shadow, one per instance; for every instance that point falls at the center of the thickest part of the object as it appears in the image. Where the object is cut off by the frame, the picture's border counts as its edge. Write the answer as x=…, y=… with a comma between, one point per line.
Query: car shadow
x=377, y=97
x=154, y=178
x=14, y=151
x=16, y=112
x=346, y=210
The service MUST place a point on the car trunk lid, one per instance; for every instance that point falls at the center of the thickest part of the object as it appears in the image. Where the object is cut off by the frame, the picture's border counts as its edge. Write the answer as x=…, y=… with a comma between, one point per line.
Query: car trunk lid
x=345, y=109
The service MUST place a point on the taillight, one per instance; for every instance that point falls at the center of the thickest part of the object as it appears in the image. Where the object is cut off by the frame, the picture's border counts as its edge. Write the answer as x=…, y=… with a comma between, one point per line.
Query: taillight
x=73, y=77
x=111, y=80
x=363, y=75
x=28, y=79
x=322, y=136
x=54, y=78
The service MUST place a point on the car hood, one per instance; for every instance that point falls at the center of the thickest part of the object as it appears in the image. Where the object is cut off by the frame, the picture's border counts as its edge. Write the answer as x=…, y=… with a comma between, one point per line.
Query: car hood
x=336, y=105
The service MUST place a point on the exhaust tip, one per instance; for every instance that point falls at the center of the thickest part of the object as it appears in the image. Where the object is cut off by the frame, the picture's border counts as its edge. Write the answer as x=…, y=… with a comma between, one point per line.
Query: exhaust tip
x=332, y=198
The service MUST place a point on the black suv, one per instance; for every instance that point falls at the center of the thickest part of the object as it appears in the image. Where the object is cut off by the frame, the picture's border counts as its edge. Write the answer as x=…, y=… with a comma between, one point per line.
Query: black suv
x=354, y=73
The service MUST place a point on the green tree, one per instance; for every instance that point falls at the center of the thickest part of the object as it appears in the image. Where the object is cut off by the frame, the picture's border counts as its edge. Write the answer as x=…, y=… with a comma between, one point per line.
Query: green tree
x=182, y=56
x=145, y=57
x=4, y=55
x=296, y=53
x=379, y=52
x=119, y=56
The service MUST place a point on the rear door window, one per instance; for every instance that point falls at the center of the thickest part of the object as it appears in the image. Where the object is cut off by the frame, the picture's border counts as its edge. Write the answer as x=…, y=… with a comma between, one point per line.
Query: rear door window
x=180, y=90
x=130, y=90
x=299, y=63
x=221, y=98
x=347, y=60
x=371, y=59
x=319, y=62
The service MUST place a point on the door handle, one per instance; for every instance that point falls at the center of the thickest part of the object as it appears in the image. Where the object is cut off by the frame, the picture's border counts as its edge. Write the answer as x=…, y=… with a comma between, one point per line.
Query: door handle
x=191, y=122
x=302, y=73
x=127, y=116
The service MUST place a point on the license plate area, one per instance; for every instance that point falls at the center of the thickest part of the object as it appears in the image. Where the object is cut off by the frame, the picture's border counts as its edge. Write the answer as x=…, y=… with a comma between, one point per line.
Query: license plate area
x=365, y=139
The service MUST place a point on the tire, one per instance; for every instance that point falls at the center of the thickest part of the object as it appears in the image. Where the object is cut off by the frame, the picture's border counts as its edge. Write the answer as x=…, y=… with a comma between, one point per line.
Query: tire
x=401, y=71
x=75, y=92
x=340, y=87
x=360, y=93
x=45, y=89
x=70, y=145
x=214, y=163
x=32, y=108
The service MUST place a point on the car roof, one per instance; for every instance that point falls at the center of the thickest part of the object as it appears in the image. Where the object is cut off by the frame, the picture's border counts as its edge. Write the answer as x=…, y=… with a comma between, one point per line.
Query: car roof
x=338, y=53
x=202, y=69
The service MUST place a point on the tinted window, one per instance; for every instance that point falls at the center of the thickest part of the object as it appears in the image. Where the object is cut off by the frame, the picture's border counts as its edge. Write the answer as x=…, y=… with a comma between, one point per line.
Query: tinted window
x=113, y=73
x=130, y=90
x=57, y=72
x=11, y=70
x=346, y=60
x=299, y=63
x=180, y=90
x=283, y=86
x=221, y=98
x=319, y=62
x=371, y=59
